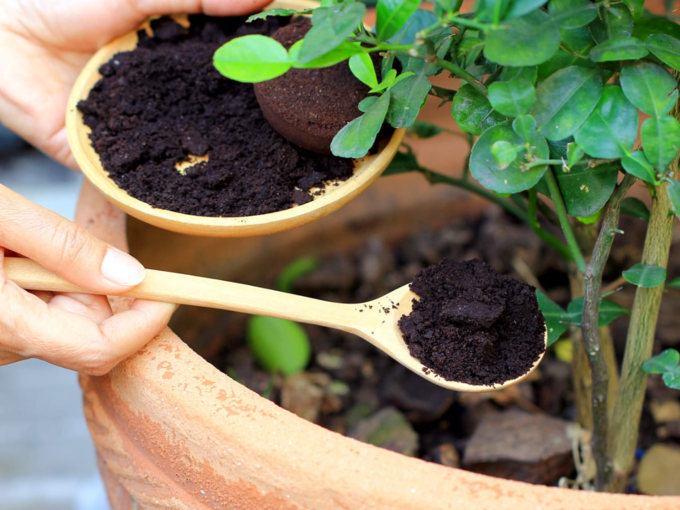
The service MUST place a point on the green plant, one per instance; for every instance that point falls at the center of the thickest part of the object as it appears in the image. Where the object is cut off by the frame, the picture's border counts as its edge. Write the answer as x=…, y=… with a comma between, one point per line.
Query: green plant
x=553, y=90
x=279, y=345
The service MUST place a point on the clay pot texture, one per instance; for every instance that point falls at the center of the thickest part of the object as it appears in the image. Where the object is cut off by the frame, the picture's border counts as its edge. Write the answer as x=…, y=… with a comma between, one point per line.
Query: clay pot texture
x=171, y=431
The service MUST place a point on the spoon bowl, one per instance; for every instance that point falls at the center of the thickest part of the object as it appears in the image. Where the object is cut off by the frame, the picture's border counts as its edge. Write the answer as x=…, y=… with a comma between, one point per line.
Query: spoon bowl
x=332, y=197
x=375, y=321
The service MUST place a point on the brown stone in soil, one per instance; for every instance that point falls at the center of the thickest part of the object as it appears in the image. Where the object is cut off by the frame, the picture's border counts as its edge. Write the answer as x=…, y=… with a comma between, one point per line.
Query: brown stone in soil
x=472, y=324
x=520, y=446
x=309, y=106
x=164, y=104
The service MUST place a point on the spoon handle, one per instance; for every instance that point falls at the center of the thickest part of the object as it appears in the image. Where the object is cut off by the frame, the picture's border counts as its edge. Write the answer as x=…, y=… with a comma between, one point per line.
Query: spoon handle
x=197, y=291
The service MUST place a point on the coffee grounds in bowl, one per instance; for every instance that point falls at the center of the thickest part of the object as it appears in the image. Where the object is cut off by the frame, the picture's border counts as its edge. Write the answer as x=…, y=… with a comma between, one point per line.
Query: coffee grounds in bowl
x=164, y=104
x=472, y=324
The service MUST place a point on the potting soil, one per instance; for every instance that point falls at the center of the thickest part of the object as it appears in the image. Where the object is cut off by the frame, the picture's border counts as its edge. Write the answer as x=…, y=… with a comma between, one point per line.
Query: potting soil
x=164, y=104
x=472, y=324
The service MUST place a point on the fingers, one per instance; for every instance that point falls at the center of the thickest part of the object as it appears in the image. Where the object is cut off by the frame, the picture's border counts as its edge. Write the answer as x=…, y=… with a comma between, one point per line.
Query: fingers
x=209, y=7
x=65, y=248
x=75, y=331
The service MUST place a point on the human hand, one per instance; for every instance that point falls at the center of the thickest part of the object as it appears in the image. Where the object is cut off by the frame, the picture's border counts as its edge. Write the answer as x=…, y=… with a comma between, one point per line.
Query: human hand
x=45, y=44
x=75, y=331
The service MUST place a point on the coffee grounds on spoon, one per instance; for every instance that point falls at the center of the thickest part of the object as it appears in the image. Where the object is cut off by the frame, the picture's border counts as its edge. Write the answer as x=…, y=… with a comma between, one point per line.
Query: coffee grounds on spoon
x=472, y=324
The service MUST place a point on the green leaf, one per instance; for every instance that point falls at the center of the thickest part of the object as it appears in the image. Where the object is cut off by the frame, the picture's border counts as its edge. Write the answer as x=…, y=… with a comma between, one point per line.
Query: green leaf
x=636, y=7
x=611, y=130
x=422, y=129
x=357, y=137
x=664, y=362
x=635, y=207
x=571, y=14
x=574, y=154
x=335, y=56
x=578, y=40
x=636, y=164
x=387, y=82
x=473, y=112
x=616, y=23
x=276, y=12
x=366, y=103
x=646, y=26
x=403, y=162
x=408, y=97
x=526, y=41
x=525, y=127
x=362, y=67
x=673, y=284
x=672, y=379
x=609, y=311
x=586, y=190
x=589, y=220
x=521, y=7
x=645, y=275
x=512, y=98
x=628, y=48
x=529, y=73
x=278, y=345
x=252, y=59
x=392, y=14
x=468, y=50
x=673, y=191
x=513, y=179
x=665, y=48
x=420, y=20
x=565, y=100
x=661, y=140
x=330, y=27
x=504, y=153
x=553, y=315
x=294, y=271
x=561, y=60
x=649, y=87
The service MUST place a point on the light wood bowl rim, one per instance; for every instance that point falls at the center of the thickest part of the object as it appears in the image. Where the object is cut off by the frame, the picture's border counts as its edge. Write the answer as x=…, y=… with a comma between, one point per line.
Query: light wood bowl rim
x=367, y=169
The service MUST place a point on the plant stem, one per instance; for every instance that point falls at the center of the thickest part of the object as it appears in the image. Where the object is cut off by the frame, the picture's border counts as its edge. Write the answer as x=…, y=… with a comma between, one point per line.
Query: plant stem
x=639, y=343
x=592, y=163
x=461, y=73
x=591, y=332
x=435, y=177
x=472, y=24
x=451, y=68
x=640, y=340
x=561, y=210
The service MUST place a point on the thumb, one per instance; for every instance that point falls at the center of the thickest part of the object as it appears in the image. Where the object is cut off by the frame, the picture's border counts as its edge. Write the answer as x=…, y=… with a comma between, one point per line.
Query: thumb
x=65, y=248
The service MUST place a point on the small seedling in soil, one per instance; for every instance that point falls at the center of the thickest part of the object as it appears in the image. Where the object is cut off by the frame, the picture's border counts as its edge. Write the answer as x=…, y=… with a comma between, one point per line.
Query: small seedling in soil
x=279, y=345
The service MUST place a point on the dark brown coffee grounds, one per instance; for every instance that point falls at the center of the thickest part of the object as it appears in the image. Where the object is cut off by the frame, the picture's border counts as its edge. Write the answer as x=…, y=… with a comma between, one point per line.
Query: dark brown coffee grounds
x=163, y=102
x=473, y=324
x=309, y=106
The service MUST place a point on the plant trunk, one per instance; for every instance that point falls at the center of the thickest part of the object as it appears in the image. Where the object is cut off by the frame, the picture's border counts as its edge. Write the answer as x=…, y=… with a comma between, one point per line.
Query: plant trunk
x=639, y=344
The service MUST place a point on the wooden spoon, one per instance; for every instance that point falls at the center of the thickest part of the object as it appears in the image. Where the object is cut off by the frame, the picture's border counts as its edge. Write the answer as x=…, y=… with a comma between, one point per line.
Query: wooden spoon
x=374, y=321
x=332, y=197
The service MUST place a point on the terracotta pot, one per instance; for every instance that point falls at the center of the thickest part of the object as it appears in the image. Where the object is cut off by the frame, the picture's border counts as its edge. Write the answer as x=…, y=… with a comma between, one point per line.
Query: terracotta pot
x=171, y=431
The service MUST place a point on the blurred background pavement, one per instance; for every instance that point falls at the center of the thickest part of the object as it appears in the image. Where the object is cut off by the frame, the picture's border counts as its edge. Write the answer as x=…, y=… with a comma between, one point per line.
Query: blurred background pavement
x=47, y=459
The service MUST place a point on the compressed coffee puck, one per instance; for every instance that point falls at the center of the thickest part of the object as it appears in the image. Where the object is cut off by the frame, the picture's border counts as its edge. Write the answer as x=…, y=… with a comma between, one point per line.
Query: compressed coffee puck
x=309, y=106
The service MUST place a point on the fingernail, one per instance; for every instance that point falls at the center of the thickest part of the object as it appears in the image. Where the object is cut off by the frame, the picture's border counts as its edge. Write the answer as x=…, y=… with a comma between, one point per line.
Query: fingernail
x=122, y=269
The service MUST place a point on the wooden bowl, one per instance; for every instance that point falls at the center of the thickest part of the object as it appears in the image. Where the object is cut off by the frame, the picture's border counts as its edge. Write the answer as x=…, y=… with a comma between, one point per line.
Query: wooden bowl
x=333, y=197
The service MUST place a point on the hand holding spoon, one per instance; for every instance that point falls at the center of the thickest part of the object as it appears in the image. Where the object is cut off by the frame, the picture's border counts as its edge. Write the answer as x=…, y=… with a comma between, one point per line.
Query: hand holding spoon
x=374, y=321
